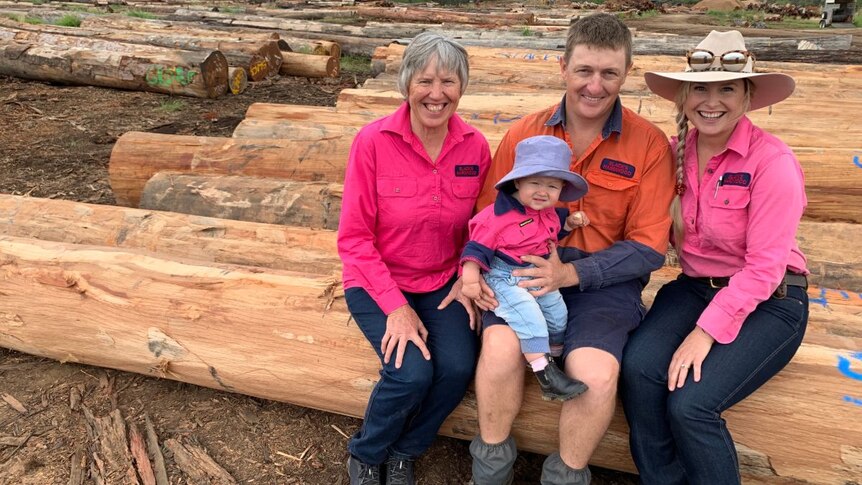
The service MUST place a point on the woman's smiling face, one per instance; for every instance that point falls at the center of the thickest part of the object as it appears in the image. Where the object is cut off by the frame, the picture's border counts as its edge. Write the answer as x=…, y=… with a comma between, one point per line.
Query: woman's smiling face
x=715, y=108
x=433, y=96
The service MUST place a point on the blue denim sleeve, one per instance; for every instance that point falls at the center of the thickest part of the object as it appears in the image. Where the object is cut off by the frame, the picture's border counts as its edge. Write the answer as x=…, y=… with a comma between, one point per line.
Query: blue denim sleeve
x=623, y=261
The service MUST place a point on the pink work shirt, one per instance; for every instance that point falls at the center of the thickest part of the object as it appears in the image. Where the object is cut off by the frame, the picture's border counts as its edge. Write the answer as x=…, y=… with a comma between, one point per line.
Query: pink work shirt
x=741, y=221
x=404, y=216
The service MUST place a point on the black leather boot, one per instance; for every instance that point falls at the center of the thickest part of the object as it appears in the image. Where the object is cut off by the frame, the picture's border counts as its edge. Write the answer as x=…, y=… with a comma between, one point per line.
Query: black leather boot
x=556, y=385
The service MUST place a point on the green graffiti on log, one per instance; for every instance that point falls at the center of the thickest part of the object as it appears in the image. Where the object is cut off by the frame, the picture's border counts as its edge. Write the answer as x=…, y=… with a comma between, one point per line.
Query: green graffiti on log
x=166, y=77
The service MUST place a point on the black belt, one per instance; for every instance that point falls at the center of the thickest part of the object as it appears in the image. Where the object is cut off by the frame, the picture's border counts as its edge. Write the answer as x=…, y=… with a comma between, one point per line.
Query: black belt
x=790, y=279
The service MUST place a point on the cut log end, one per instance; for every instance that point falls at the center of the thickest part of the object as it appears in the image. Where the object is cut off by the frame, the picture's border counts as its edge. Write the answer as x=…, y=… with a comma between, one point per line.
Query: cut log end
x=237, y=80
x=215, y=73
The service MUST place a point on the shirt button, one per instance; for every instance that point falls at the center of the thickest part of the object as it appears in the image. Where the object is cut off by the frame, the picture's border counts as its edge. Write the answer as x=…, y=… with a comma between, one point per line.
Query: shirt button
x=709, y=170
x=726, y=202
x=435, y=197
x=397, y=190
x=434, y=171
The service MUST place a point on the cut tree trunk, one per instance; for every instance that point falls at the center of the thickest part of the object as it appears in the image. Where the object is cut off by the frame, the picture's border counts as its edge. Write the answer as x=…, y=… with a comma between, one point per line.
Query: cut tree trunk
x=123, y=66
x=187, y=321
x=833, y=179
x=237, y=79
x=253, y=199
x=133, y=161
x=309, y=65
x=171, y=234
x=829, y=247
x=429, y=15
x=259, y=56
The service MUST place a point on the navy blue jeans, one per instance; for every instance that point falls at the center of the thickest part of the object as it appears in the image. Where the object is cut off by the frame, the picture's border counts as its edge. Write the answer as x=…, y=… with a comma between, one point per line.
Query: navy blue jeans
x=408, y=405
x=680, y=437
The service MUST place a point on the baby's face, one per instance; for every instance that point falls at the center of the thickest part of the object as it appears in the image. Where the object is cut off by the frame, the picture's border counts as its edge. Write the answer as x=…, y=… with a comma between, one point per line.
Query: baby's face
x=538, y=193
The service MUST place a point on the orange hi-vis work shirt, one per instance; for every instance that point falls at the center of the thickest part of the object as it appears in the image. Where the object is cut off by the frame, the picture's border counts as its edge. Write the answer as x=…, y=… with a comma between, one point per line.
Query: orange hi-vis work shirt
x=630, y=172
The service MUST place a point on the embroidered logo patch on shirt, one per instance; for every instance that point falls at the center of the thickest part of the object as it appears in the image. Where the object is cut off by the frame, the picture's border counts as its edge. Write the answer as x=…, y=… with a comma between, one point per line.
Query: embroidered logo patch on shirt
x=466, y=170
x=620, y=168
x=741, y=179
x=524, y=223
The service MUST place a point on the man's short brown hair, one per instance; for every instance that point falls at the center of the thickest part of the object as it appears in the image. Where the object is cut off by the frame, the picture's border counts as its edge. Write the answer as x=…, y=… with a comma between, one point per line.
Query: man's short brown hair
x=601, y=30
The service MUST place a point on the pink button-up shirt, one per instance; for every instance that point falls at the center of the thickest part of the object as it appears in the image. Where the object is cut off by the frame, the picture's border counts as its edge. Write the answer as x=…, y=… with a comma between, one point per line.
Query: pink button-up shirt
x=740, y=221
x=404, y=216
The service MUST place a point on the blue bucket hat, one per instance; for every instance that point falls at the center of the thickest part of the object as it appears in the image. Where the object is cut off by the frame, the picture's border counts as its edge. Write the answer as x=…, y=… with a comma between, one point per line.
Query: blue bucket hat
x=545, y=156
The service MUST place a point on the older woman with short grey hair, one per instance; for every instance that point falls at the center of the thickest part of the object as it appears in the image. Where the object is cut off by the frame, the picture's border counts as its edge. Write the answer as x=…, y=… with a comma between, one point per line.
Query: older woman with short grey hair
x=411, y=185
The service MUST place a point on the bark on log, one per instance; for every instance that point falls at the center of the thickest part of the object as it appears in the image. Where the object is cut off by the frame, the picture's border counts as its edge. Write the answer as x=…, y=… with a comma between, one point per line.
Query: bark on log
x=258, y=56
x=309, y=65
x=139, y=451
x=124, y=66
x=237, y=78
x=155, y=453
x=194, y=461
x=170, y=234
x=253, y=199
x=87, y=286
x=124, y=22
x=109, y=435
x=429, y=15
x=133, y=161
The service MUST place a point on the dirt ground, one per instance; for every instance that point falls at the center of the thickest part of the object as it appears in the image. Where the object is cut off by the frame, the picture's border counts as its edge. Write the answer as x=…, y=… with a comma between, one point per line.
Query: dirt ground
x=55, y=142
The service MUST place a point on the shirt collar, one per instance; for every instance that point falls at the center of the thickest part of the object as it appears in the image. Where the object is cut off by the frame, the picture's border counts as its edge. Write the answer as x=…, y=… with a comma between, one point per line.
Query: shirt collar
x=613, y=124
x=506, y=203
x=399, y=123
x=740, y=139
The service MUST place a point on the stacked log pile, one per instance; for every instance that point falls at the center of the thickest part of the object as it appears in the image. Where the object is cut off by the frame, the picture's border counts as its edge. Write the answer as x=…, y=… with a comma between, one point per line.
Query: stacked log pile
x=188, y=285
x=156, y=56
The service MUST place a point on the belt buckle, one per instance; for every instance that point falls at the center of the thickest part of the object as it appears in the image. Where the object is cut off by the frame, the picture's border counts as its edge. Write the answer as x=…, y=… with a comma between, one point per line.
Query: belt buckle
x=713, y=285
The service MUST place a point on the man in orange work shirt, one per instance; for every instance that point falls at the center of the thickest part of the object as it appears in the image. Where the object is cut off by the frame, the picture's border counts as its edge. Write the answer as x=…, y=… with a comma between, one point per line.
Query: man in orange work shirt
x=601, y=269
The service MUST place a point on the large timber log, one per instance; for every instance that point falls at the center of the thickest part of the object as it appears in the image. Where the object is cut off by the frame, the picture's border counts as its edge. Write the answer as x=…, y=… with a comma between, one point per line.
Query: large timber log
x=782, y=120
x=138, y=156
x=829, y=247
x=520, y=68
x=260, y=57
x=309, y=65
x=430, y=15
x=172, y=234
x=833, y=179
x=188, y=321
x=117, y=65
x=253, y=199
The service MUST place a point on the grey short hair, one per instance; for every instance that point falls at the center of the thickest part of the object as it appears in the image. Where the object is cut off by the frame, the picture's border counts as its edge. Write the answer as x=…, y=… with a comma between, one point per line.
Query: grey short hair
x=450, y=56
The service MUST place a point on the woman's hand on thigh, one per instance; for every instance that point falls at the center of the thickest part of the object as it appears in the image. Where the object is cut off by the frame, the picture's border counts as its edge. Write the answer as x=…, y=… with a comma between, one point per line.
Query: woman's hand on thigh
x=403, y=326
x=689, y=356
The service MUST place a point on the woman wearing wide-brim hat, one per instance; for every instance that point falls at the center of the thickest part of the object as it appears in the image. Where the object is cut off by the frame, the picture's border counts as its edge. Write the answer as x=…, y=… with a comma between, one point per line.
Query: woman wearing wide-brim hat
x=738, y=312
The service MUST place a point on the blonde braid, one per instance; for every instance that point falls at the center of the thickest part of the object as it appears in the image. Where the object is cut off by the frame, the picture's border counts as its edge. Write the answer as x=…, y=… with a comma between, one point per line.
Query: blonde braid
x=682, y=133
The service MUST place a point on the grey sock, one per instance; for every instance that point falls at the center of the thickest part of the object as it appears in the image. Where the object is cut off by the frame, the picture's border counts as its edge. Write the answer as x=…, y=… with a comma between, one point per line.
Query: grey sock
x=556, y=472
x=493, y=464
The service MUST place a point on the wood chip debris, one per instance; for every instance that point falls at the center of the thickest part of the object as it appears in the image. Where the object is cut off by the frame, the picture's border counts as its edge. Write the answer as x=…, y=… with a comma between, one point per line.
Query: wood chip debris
x=16, y=404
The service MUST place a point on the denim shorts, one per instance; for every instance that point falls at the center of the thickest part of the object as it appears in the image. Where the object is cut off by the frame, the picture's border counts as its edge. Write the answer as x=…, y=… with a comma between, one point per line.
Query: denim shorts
x=601, y=318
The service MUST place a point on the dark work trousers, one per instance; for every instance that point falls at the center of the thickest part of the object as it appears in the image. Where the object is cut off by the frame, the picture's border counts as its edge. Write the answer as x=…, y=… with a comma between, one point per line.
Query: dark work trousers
x=408, y=405
x=680, y=437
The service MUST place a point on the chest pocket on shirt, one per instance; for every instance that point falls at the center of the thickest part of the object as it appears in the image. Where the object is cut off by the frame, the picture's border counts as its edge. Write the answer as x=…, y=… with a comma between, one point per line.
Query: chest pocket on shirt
x=393, y=194
x=609, y=197
x=465, y=194
x=516, y=236
x=728, y=215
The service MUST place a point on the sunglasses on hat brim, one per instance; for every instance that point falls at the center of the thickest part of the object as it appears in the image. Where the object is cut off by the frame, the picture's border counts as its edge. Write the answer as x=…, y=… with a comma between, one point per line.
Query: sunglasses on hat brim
x=733, y=61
